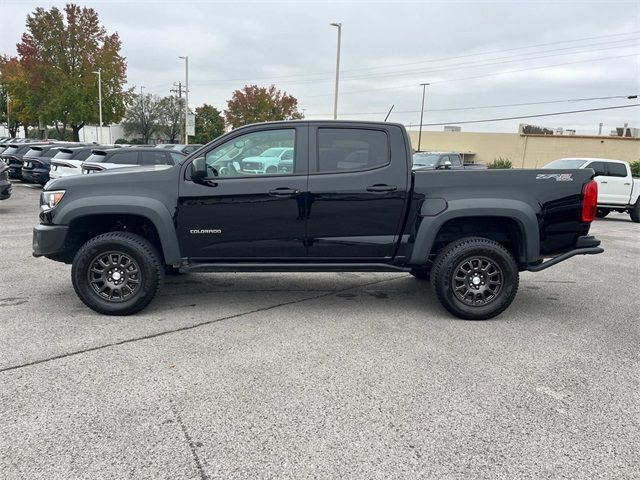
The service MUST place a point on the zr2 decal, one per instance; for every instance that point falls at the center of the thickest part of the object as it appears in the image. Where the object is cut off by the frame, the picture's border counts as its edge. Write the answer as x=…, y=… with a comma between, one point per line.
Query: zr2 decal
x=559, y=177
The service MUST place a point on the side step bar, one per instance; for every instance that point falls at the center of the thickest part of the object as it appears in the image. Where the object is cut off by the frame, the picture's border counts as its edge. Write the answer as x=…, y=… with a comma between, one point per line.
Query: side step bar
x=292, y=267
x=587, y=245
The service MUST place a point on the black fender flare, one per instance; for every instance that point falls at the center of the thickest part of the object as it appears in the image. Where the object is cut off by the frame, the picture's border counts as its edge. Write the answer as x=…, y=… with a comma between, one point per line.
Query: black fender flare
x=521, y=212
x=150, y=208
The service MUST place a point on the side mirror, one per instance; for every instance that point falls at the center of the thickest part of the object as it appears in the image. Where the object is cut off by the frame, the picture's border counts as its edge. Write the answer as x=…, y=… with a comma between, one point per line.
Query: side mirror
x=446, y=165
x=198, y=171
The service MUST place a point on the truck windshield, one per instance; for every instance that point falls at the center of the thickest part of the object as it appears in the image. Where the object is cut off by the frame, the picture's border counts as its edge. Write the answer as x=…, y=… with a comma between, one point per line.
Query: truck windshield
x=425, y=159
x=564, y=163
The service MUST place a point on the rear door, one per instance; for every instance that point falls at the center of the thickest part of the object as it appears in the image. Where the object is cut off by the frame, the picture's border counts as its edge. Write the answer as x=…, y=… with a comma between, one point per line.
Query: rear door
x=619, y=182
x=358, y=184
x=606, y=189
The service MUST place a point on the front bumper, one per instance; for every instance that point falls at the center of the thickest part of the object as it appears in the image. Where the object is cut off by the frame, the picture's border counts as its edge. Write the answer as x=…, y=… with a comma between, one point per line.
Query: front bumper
x=49, y=239
x=585, y=245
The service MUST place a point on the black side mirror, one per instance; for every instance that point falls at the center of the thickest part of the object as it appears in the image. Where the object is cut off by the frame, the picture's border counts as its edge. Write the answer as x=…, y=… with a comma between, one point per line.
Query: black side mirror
x=198, y=170
x=446, y=165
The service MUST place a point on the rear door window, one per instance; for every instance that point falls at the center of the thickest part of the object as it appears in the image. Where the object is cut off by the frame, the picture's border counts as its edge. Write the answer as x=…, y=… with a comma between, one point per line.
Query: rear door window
x=617, y=170
x=351, y=149
x=158, y=157
x=123, y=158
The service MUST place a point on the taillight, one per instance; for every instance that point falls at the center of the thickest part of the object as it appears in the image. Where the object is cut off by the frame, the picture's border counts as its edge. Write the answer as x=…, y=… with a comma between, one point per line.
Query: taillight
x=589, y=201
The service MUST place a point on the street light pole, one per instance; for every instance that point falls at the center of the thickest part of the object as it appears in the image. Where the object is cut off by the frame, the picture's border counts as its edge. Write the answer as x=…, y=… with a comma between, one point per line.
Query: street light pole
x=186, y=99
x=99, y=73
x=335, y=100
x=143, y=121
x=424, y=87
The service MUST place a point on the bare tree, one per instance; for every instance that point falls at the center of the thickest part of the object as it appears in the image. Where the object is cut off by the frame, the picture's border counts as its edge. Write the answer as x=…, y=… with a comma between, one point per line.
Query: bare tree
x=172, y=117
x=143, y=116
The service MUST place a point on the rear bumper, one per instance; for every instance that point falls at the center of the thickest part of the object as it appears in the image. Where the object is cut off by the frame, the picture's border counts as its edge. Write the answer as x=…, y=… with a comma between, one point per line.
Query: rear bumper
x=15, y=171
x=36, y=176
x=5, y=189
x=585, y=245
x=49, y=239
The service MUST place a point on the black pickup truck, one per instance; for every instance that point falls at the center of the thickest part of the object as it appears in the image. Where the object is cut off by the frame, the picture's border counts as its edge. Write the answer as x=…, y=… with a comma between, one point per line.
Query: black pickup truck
x=347, y=201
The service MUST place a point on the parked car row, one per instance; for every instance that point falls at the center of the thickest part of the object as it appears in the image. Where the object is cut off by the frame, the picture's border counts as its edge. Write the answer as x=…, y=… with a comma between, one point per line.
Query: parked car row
x=39, y=161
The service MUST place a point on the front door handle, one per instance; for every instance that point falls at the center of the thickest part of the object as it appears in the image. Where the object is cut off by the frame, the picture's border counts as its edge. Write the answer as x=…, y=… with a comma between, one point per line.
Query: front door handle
x=283, y=192
x=603, y=181
x=379, y=187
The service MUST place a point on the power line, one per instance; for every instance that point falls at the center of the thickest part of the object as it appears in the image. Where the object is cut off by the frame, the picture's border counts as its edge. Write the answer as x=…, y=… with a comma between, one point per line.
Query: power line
x=347, y=71
x=413, y=85
x=528, y=116
x=484, y=106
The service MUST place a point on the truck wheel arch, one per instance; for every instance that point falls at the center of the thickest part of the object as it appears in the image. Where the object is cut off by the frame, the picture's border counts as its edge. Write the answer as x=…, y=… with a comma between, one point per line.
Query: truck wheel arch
x=513, y=213
x=104, y=209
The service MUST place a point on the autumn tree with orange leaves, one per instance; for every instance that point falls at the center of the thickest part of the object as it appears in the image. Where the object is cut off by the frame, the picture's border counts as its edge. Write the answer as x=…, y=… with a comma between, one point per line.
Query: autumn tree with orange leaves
x=255, y=104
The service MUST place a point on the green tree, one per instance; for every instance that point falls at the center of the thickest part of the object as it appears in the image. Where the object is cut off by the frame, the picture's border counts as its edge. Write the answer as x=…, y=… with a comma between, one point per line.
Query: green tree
x=635, y=168
x=171, y=117
x=60, y=53
x=255, y=104
x=143, y=117
x=15, y=96
x=209, y=124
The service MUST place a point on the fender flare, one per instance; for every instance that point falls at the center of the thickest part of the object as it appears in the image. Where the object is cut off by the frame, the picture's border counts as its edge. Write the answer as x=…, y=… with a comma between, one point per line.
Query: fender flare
x=520, y=212
x=152, y=209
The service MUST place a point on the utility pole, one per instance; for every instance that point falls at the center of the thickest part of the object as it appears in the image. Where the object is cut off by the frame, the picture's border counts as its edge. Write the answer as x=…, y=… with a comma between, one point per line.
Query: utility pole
x=600, y=129
x=99, y=72
x=143, y=122
x=178, y=90
x=186, y=99
x=335, y=100
x=424, y=87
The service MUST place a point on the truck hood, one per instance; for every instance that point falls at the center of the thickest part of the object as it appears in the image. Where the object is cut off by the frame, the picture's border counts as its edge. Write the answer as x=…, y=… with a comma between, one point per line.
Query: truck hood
x=124, y=175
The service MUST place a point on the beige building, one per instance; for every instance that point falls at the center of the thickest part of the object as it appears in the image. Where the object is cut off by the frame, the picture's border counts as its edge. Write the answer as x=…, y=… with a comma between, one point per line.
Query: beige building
x=527, y=151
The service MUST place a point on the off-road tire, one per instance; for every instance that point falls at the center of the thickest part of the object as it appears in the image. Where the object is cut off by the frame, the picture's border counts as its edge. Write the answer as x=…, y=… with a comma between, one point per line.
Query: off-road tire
x=635, y=212
x=450, y=261
x=421, y=273
x=602, y=212
x=149, y=272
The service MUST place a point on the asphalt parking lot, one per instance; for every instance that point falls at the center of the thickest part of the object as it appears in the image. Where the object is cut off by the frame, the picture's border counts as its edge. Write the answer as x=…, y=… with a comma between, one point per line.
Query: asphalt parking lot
x=319, y=375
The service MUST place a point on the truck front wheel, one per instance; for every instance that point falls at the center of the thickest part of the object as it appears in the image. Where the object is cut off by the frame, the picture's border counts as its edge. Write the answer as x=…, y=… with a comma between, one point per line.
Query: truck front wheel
x=475, y=278
x=117, y=273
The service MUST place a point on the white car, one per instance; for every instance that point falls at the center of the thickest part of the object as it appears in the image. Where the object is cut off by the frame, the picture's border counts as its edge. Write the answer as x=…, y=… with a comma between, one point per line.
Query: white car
x=618, y=190
x=272, y=160
x=130, y=157
x=68, y=161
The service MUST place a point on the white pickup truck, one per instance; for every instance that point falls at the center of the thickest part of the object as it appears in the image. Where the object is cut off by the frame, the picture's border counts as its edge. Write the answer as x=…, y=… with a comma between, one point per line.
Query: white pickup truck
x=618, y=190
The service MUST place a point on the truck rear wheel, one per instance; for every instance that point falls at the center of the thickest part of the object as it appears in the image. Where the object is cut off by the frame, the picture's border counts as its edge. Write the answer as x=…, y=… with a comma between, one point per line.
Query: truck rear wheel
x=475, y=278
x=117, y=273
x=635, y=212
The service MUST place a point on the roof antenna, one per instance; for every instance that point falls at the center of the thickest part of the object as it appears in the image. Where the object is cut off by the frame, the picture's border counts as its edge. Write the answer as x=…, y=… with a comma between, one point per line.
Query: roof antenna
x=390, y=110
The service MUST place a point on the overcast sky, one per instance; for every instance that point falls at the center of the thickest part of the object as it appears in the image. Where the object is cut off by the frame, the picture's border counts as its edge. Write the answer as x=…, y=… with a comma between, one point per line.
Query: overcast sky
x=474, y=54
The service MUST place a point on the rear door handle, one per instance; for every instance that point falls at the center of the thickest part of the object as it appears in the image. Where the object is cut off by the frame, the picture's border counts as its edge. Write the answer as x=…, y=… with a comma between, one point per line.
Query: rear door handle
x=283, y=192
x=378, y=187
x=603, y=182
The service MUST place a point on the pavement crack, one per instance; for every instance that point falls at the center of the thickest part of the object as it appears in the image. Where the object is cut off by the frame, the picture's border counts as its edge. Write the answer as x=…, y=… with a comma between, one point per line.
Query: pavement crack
x=192, y=447
x=188, y=327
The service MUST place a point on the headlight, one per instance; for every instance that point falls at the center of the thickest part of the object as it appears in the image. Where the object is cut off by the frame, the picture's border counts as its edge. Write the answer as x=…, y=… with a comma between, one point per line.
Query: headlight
x=49, y=200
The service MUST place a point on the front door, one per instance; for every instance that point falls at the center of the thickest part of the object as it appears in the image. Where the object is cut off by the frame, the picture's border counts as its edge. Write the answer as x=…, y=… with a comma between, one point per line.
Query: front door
x=357, y=192
x=252, y=206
